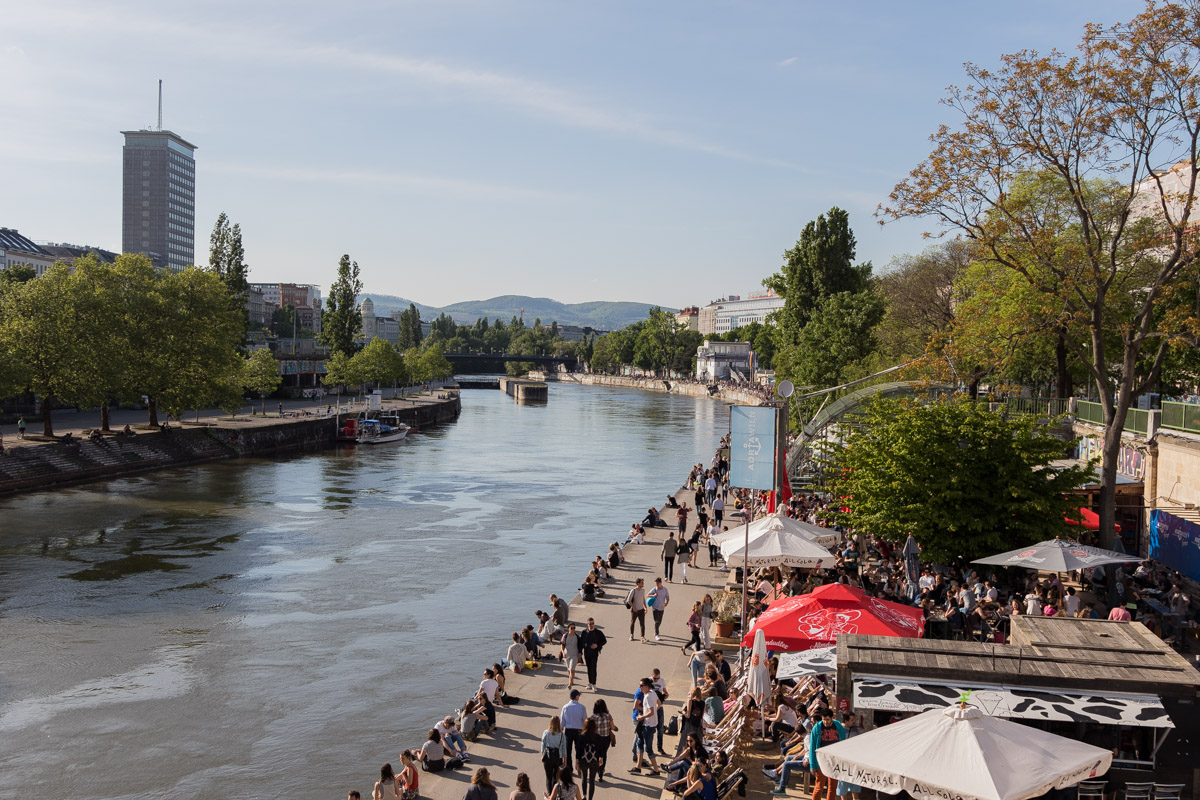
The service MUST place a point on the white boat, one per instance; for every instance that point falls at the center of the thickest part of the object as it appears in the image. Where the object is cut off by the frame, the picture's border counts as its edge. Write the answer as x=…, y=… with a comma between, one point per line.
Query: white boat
x=373, y=431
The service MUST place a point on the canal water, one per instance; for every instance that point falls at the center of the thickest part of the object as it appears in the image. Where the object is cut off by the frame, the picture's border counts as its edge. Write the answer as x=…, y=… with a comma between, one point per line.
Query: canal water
x=279, y=627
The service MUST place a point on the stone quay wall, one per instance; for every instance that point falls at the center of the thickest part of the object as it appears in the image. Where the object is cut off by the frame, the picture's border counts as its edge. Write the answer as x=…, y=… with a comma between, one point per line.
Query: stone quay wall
x=692, y=388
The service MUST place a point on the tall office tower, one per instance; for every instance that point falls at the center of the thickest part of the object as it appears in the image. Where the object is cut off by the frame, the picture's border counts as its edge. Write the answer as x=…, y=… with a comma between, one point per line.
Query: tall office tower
x=159, y=198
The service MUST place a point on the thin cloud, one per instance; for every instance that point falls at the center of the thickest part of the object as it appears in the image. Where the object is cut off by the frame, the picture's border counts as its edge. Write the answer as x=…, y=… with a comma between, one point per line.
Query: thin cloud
x=787, y=62
x=233, y=44
x=425, y=184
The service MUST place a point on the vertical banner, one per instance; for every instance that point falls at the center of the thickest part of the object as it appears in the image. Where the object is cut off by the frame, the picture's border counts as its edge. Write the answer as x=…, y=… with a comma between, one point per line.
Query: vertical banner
x=1175, y=542
x=752, y=447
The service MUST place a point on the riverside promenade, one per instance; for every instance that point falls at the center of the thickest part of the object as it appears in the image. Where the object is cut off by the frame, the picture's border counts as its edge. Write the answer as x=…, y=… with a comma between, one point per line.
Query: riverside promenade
x=515, y=746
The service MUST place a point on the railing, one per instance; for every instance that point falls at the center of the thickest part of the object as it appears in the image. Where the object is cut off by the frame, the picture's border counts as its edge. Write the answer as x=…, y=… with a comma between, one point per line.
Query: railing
x=1181, y=416
x=1137, y=420
x=1037, y=406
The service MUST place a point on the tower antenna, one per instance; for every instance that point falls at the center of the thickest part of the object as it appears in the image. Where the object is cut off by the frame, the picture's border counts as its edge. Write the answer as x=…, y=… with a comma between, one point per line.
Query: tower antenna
x=160, y=104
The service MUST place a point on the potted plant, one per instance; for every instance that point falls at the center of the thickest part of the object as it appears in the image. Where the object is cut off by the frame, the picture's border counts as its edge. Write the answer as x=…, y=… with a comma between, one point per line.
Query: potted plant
x=727, y=612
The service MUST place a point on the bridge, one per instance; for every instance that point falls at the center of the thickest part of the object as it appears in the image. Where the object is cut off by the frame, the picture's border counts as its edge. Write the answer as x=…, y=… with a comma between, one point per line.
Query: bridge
x=475, y=363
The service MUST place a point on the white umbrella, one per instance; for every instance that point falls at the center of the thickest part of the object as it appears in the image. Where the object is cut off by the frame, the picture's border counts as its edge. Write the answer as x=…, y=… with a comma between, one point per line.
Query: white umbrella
x=1058, y=555
x=758, y=676
x=817, y=661
x=961, y=753
x=777, y=547
x=780, y=521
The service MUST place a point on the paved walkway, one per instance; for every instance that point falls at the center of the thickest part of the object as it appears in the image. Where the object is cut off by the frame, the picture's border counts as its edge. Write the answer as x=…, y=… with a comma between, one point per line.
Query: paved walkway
x=76, y=422
x=515, y=747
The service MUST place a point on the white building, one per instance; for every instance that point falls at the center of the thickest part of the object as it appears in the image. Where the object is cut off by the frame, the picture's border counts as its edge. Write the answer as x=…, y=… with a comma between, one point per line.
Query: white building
x=374, y=327
x=737, y=311
x=17, y=250
x=721, y=360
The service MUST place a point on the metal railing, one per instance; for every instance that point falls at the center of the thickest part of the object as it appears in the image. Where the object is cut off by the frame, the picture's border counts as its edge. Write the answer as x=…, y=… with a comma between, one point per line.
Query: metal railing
x=1137, y=420
x=1181, y=416
x=1037, y=406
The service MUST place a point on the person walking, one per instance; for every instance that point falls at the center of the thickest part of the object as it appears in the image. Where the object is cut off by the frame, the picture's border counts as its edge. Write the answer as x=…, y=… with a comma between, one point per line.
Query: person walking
x=647, y=723
x=669, y=549
x=706, y=618
x=660, y=691
x=827, y=731
x=589, y=759
x=564, y=787
x=657, y=600
x=635, y=601
x=693, y=623
x=681, y=516
x=554, y=744
x=592, y=641
x=21, y=427
x=606, y=729
x=573, y=715
x=568, y=653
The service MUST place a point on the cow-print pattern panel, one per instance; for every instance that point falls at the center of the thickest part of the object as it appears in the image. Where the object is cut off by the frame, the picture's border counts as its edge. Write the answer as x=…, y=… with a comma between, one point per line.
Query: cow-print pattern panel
x=1006, y=701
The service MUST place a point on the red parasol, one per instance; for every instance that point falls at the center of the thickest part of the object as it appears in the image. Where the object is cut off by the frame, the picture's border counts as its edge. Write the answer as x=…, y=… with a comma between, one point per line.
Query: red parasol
x=815, y=619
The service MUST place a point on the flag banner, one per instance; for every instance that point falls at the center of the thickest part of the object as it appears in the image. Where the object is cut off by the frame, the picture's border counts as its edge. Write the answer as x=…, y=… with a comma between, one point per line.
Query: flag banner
x=752, y=447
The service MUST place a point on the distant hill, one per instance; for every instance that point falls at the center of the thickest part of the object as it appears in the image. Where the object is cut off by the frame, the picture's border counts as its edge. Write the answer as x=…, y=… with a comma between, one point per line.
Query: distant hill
x=604, y=315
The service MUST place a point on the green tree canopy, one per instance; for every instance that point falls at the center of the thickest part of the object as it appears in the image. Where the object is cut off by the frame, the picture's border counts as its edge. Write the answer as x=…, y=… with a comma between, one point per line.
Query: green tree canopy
x=963, y=480
x=342, y=322
x=260, y=374
x=819, y=266
x=379, y=362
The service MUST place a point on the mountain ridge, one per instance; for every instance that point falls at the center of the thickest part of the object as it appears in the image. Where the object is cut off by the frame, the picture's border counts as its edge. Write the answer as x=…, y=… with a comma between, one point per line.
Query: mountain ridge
x=607, y=315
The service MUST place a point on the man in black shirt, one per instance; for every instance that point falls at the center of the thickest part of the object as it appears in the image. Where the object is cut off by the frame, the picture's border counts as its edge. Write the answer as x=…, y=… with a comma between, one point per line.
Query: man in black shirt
x=592, y=641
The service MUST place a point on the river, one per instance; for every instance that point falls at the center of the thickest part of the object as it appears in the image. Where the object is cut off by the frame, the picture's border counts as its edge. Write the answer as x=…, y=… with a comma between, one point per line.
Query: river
x=265, y=627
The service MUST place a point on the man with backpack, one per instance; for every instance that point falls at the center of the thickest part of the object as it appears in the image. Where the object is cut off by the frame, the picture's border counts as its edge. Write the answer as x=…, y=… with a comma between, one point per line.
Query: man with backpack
x=827, y=731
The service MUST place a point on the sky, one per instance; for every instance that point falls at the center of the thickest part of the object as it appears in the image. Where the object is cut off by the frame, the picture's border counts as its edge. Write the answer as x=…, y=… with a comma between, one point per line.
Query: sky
x=665, y=152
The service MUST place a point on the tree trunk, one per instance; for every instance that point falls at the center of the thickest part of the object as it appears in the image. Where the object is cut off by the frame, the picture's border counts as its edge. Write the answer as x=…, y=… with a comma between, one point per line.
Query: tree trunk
x=1063, y=387
x=47, y=421
x=152, y=405
x=104, y=421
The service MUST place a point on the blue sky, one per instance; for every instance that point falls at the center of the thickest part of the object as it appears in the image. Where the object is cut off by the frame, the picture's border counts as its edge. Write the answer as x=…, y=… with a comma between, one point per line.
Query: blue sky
x=664, y=152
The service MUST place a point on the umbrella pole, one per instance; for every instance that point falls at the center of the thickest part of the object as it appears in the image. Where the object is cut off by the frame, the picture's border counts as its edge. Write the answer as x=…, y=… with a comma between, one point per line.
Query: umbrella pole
x=745, y=577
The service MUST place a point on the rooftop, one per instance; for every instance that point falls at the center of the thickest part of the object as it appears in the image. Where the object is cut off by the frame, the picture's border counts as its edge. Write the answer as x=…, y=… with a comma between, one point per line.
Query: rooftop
x=1046, y=652
x=12, y=240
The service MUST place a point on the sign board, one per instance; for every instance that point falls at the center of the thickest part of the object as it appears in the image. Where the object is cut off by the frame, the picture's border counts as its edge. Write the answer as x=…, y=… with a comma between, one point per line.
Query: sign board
x=1175, y=542
x=752, y=447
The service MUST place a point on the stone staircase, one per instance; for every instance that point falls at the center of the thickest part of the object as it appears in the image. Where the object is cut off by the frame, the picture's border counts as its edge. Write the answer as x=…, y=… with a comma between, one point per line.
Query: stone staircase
x=32, y=466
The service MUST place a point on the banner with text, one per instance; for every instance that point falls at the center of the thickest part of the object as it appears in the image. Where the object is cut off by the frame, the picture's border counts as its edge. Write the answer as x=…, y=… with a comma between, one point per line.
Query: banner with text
x=752, y=447
x=1175, y=542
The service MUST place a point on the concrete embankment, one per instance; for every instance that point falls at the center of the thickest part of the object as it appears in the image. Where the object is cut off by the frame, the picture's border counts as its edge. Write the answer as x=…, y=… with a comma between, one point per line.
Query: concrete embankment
x=729, y=395
x=34, y=464
x=524, y=391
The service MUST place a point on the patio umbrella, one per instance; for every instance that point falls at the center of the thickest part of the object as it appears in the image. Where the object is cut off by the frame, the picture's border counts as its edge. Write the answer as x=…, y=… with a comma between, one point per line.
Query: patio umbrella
x=817, y=661
x=817, y=618
x=1058, y=555
x=825, y=537
x=961, y=753
x=758, y=676
x=776, y=548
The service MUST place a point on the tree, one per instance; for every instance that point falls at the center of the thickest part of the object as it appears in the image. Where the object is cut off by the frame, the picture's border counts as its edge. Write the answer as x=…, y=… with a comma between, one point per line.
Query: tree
x=17, y=273
x=178, y=333
x=48, y=332
x=840, y=333
x=260, y=374
x=342, y=321
x=410, y=327
x=1116, y=125
x=227, y=258
x=434, y=365
x=921, y=298
x=379, y=362
x=963, y=480
x=819, y=266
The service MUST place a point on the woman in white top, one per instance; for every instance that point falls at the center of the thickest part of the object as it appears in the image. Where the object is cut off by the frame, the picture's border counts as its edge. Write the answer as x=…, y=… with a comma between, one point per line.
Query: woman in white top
x=385, y=787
